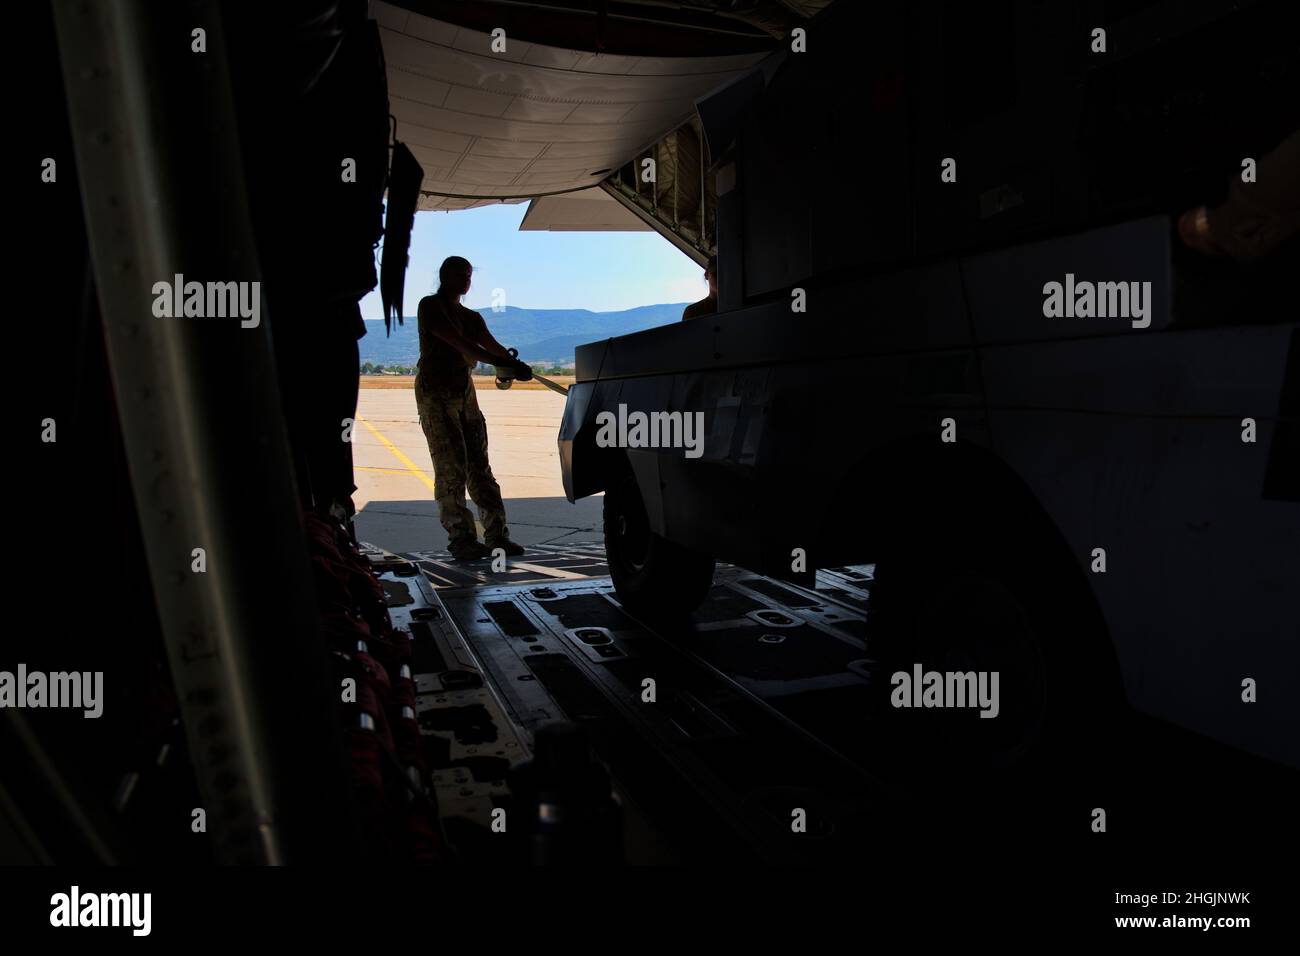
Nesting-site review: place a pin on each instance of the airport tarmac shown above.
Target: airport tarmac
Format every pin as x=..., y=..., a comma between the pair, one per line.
x=395, y=482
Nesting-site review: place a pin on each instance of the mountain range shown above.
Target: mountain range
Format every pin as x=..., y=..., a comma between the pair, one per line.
x=540, y=335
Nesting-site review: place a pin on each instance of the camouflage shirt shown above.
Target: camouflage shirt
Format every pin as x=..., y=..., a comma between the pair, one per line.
x=442, y=366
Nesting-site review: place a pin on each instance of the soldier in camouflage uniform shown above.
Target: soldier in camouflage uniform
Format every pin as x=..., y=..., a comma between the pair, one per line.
x=453, y=339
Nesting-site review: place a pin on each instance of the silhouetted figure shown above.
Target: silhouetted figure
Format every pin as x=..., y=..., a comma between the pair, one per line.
x=709, y=304
x=310, y=88
x=452, y=340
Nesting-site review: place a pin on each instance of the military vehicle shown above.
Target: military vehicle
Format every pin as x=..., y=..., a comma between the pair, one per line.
x=970, y=510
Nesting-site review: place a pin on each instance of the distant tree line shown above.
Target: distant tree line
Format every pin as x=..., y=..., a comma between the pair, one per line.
x=370, y=368
x=540, y=368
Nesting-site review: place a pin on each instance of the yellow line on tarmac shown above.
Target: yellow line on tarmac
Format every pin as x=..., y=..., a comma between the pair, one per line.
x=386, y=471
x=411, y=466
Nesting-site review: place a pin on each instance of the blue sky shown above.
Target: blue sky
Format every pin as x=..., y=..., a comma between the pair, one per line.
x=600, y=271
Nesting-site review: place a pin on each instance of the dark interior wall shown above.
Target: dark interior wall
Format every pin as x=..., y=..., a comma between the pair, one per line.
x=840, y=166
x=78, y=593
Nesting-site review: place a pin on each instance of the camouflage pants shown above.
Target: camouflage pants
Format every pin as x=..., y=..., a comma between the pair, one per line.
x=458, y=444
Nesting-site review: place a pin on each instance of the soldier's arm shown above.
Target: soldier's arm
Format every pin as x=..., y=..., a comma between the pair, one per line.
x=486, y=340
x=436, y=323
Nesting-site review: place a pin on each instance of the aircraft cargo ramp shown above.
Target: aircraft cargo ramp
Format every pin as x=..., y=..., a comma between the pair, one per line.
x=761, y=713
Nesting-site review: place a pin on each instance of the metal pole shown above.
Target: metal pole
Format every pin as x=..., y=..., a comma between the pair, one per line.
x=704, y=166
x=654, y=181
x=677, y=174
x=205, y=440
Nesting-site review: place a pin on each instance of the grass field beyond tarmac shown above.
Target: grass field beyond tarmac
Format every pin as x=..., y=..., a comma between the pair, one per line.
x=395, y=480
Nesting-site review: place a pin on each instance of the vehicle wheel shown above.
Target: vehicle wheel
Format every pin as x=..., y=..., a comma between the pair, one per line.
x=651, y=575
x=973, y=600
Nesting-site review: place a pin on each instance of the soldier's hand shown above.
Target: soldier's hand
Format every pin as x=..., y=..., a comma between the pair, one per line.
x=523, y=372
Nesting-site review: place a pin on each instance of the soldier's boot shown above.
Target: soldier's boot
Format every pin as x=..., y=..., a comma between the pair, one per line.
x=469, y=549
x=505, y=544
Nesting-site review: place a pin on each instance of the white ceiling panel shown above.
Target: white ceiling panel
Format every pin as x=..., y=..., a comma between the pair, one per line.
x=422, y=28
x=532, y=111
x=435, y=157
x=557, y=59
x=481, y=102
x=416, y=88
x=535, y=120
x=484, y=146
x=587, y=210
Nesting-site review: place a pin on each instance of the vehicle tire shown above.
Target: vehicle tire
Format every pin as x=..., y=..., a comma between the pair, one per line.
x=652, y=575
x=979, y=595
